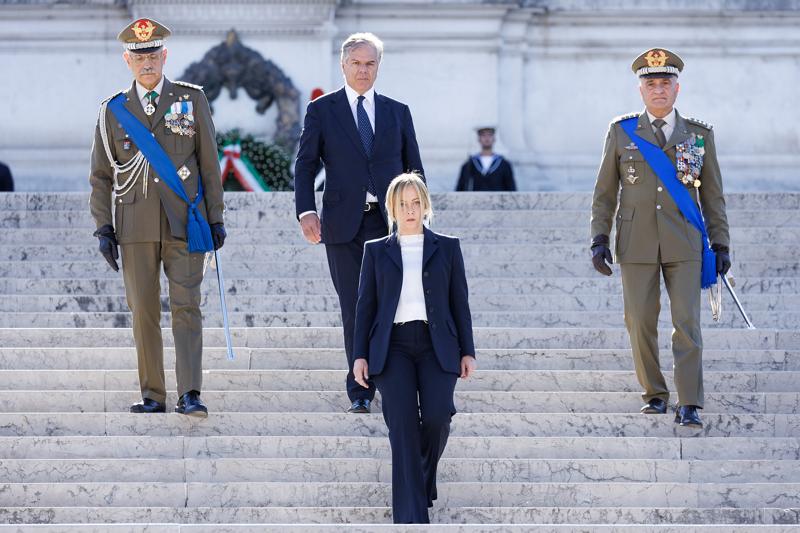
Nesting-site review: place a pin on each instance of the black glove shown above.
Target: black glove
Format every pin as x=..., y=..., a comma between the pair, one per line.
x=108, y=245
x=218, y=235
x=723, y=258
x=601, y=254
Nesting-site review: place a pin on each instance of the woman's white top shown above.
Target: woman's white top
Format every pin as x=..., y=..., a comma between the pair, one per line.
x=412, y=298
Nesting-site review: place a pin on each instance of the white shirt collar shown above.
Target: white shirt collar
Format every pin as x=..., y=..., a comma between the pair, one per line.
x=669, y=119
x=352, y=95
x=141, y=91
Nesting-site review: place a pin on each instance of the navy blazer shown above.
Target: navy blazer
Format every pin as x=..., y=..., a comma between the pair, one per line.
x=446, y=300
x=330, y=138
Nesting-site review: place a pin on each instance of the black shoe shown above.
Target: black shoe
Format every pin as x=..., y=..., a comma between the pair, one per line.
x=148, y=406
x=190, y=405
x=656, y=406
x=687, y=416
x=359, y=406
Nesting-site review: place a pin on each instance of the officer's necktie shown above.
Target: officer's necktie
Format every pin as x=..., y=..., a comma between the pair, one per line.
x=367, y=137
x=660, y=136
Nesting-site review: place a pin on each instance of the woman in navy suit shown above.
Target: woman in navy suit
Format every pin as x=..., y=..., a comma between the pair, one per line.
x=413, y=336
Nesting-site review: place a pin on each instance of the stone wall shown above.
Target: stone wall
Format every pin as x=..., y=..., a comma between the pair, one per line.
x=549, y=73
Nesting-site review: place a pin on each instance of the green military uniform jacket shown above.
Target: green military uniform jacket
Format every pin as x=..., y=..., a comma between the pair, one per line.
x=649, y=222
x=137, y=218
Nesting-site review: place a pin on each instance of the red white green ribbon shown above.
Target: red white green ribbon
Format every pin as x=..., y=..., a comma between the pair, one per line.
x=234, y=161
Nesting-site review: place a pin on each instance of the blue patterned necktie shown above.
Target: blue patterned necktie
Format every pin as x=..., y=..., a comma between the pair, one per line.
x=367, y=138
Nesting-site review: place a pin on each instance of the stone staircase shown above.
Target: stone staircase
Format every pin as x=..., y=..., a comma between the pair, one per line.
x=548, y=437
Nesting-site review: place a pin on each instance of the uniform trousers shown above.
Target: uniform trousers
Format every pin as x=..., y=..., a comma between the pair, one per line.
x=417, y=400
x=141, y=269
x=344, y=261
x=641, y=293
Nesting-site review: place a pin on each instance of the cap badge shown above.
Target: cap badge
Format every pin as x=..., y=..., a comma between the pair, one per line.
x=143, y=29
x=656, y=58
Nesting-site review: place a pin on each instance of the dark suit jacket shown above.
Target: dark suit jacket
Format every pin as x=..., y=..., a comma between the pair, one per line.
x=6, y=181
x=330, y=137
x=499, y=178
x=446, y=300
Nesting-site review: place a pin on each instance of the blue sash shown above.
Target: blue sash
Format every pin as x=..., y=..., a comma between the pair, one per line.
x=666, y=172
x=198, y=233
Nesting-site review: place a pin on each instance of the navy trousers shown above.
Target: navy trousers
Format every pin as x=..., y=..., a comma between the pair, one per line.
x=417, y=399
x=344, y=261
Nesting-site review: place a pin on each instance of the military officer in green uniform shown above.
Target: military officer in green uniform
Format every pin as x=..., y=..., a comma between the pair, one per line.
x=149, y=221
x=653, y=238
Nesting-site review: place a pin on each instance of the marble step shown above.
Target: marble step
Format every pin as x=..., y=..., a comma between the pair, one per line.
x=335, y=424
x=392, y=528
x=782, y=320
x=237, y=201
x=584, y=447
x=94, y=266
x=541, y=381
x=311, y=401
x=234, y=494
x=311, y=359
x=533, y=286
x=534, y=518
x=367, y=469
x=474, y=254
x=258, y=303
x=284, y=218
x=329, y=337
x=290, y=235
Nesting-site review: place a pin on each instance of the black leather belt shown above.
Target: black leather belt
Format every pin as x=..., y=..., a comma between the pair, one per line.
x=369, y=206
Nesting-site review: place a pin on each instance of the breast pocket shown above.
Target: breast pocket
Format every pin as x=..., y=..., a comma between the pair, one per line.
x=123, y=145
x=632, y=168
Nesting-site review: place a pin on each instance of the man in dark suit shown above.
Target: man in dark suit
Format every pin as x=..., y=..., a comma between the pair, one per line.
x=486, y=170
x=363, y=139
x=6, y=181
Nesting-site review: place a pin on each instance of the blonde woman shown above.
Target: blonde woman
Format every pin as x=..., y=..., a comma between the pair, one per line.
x=413, y=337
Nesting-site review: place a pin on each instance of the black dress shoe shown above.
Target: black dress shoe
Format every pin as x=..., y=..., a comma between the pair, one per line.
x=190, y=404
x=359, y=406
x=148, y=406
x=687, y=416
x=656, y=406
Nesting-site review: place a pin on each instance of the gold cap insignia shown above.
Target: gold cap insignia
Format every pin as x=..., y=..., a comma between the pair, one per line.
x=143, y=29
x=656, y=58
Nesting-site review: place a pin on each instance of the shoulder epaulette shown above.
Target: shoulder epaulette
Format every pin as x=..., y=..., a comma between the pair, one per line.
x=112, y=96
x=190, y=85
x=624, y=117
x=698, y=122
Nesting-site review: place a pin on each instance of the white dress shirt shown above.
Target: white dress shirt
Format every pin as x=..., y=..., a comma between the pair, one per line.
x=142, y=91
x=369, y=107
x=411, y=305
x=666, y=128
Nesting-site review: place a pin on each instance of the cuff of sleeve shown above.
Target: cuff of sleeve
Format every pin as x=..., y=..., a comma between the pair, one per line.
x=304, y=213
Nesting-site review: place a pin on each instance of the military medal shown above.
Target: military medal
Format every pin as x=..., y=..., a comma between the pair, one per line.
x=632, y=146
x=149, y=109
x=179, y=119
x=126, y=144
x=184, y=173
